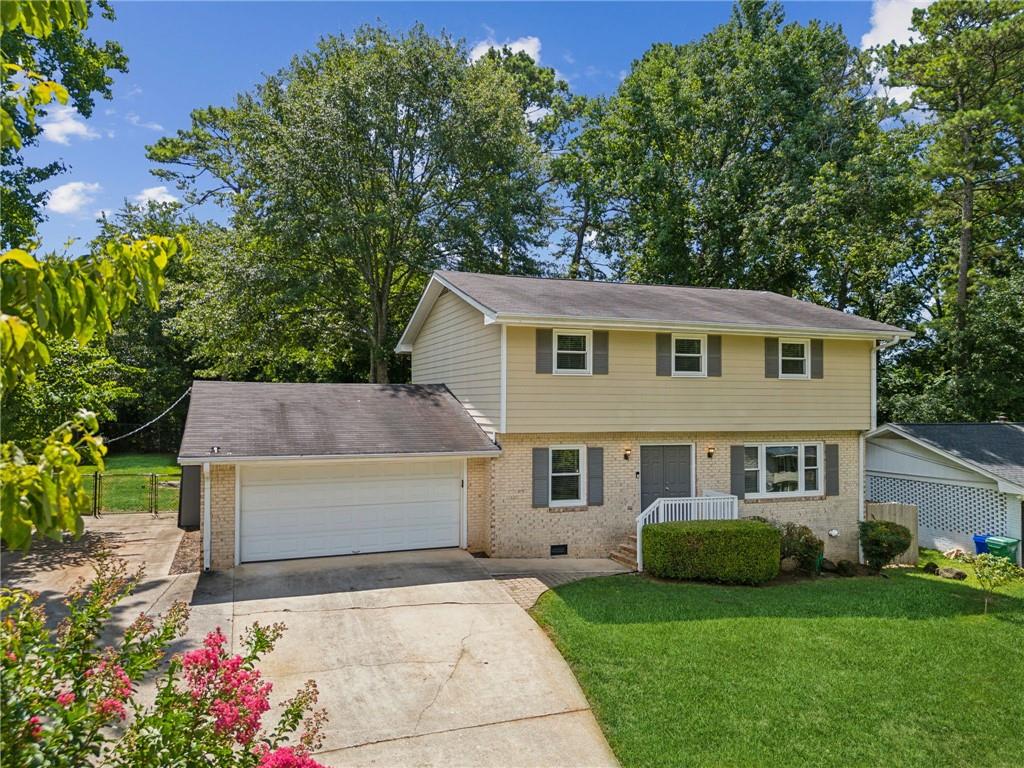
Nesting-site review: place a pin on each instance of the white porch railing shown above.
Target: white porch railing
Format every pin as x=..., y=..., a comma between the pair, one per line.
x=713, y=505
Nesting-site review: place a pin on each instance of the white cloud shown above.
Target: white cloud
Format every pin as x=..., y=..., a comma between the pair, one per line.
x=530, y=45
x=138, y=122
x=155, y=195
x=890, y=20
x=72, y=197
x=62, y=123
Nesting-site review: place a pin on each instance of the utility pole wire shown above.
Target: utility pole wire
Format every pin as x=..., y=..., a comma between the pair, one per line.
x=151, y=422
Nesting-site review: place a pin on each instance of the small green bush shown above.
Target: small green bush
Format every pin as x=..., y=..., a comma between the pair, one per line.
x=883, y=541
x=800, y=542
x=728, y=551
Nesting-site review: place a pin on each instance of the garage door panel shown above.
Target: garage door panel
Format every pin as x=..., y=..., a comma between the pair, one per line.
x=290, y=511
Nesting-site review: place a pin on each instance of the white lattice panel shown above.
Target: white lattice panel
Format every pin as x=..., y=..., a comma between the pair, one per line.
x=945, y=507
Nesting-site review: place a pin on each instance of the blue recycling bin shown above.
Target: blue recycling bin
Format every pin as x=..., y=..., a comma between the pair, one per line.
x=981, y=543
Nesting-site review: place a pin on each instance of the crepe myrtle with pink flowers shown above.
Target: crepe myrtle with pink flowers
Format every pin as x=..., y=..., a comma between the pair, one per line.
x=71, y=700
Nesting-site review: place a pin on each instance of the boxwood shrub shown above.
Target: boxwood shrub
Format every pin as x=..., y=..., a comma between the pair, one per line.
x=728, y=551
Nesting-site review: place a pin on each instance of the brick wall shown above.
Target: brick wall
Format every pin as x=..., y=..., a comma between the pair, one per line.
x=222, y=515
x=478, y=504
x=517, y=529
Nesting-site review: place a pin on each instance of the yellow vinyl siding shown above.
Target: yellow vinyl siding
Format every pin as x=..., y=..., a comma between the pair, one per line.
x=455, y=348
x=631, y=397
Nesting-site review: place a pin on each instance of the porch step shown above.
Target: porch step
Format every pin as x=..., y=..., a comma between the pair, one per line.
x=625, y=553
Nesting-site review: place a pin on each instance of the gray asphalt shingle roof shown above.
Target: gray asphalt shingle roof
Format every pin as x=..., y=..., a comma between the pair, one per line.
x=997, y=447
x=680, y=305
x=256, y=419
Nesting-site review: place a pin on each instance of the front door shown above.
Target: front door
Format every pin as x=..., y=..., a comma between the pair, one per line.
x=665, y=472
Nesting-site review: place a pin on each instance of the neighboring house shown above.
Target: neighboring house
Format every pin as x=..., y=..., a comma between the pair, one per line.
x=965, y=479
x=567, y=408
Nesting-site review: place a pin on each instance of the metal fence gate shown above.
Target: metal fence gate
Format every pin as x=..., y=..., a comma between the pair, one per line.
x=127, y=493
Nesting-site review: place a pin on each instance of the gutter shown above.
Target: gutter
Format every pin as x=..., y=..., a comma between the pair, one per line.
x=861, y=439
x=222, y=458
x=207, y=518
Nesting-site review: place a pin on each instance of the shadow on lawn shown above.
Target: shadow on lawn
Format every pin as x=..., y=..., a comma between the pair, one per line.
x=913, y=596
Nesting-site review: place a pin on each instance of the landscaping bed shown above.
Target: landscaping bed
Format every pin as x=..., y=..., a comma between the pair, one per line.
x=903, y=670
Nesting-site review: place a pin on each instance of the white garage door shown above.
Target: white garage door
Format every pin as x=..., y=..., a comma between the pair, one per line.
x=310, y=510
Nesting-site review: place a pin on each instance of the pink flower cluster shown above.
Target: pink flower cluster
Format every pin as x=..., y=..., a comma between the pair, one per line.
x=237, y=696
x=288, y=757
x=114, y=682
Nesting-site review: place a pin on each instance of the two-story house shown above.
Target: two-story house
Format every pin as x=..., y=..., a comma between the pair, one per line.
x=544, y=417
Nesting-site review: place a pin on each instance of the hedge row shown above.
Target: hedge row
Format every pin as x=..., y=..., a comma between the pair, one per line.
x=728, y=551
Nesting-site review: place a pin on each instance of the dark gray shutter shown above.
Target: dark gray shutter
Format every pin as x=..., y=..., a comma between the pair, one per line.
x=600, y=361
x=736, y=476
x=831, y=469
x=817, y=359
x=595, y=476
x=714, y=355
x=541, y=477
x=771, y=358
x=543, y=350
x=663, y=347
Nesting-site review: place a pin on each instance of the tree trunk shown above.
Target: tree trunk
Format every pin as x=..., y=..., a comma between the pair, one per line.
x=966, y=248
x=581, y=234
x=379, y=353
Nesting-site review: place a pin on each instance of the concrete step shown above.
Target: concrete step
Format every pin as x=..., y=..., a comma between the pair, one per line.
x=624, y=560
x=627, y=549
x=631, y=538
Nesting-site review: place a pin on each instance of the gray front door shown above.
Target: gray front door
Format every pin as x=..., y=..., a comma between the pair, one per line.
x=664, y=472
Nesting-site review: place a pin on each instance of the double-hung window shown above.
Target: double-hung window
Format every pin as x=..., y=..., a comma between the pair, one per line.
x=568, y=476
x=689, y=355
x=572, y=352
x=794, y=359
x=782, y=470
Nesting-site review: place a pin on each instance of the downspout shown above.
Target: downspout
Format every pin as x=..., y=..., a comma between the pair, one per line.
x=861, y=442
x=206, y=516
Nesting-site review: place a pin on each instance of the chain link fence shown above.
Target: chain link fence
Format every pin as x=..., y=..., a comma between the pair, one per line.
x=127, y=493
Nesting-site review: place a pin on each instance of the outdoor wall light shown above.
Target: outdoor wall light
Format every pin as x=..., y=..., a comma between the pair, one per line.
x=627, y=453
x=833, y=533
x=711, y=451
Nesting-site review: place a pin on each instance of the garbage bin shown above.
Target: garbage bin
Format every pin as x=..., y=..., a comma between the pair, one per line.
x=980, y=543
x=1002, y=546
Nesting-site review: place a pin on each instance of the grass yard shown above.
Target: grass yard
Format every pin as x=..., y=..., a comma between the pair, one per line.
x=864, y=671
x=125, y=486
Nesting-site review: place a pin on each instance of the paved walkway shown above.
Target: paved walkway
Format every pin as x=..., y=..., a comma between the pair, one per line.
x=528, y=578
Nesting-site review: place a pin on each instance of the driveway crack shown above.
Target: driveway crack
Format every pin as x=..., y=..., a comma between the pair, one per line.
x=451, y=674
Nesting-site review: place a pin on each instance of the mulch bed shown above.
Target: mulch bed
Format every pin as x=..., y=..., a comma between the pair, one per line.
x=188, y=558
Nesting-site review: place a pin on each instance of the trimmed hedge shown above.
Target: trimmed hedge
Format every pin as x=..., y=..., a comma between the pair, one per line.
x=728, y=551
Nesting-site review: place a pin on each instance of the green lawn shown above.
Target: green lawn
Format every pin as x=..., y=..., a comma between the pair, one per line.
x=125, y=486
x=903, y=671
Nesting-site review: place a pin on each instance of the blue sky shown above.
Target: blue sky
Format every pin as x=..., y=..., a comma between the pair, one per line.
x=184, y=55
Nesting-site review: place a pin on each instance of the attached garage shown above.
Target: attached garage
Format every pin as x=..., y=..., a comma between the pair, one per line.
x=341, y=508
x=311, y=470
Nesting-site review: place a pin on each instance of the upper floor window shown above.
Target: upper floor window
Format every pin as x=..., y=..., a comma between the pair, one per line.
x=782, y=470
x=572, y=352
x=794, y=357
x=689, y=355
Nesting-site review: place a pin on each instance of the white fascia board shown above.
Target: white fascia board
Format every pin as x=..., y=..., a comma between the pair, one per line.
x=1004, y=485
x=229, y=459
x=430, y=295
x=600, y=323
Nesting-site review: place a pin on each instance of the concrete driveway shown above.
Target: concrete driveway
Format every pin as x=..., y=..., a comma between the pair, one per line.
x=421, y=659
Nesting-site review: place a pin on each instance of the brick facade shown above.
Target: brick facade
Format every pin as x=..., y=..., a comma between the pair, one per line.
x=222, y=515
x=478, y=504
x=518, y=529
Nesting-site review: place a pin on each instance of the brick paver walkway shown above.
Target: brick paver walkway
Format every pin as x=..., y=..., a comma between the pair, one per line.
x=526, y=588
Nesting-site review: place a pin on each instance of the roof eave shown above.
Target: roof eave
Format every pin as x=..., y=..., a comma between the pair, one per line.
x=749, y=329
x=222, y=458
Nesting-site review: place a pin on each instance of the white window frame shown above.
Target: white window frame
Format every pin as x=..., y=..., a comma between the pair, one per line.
x=801, y=492
x=554, y=352
x=582, y=500
x=703, y=339
x=807, y=359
